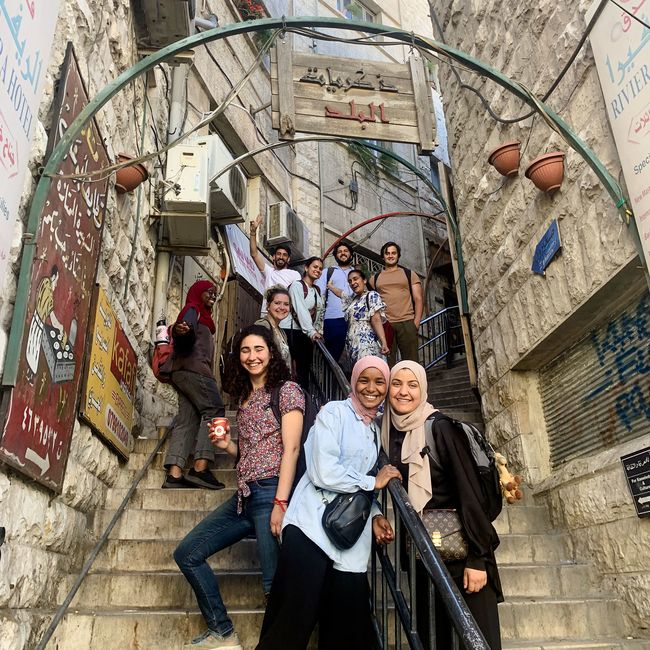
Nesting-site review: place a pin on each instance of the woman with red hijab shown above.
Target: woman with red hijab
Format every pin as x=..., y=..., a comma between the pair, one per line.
x=198, y=395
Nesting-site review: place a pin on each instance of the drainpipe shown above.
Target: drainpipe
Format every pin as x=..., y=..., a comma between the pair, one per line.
x=176, y=112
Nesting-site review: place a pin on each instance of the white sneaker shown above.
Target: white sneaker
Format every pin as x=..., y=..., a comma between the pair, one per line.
x=210, y=640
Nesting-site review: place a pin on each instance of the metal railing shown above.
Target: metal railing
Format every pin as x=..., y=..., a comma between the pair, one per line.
x=442, y=336
x=394, y=570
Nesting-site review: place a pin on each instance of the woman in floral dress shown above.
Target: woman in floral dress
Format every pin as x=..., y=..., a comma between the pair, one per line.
x=363, y=312
x=267, y=452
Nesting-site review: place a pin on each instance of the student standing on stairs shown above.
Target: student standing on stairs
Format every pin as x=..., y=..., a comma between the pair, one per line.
x=266, y=465
x=450, y=483
x=198, y=395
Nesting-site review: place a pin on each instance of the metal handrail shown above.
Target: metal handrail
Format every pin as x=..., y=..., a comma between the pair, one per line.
x=389, y=580
x=60, y=612
x=437, y=331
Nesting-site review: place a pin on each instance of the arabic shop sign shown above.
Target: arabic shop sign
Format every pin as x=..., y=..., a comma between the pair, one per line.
x=637, y=473
x=622, y=52
x=42, y=406
x=312, y=93
x=546, y=248
x=26, y=34
x=108, y=398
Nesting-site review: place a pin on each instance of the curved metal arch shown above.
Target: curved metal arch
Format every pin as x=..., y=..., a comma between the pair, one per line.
x=110, y=90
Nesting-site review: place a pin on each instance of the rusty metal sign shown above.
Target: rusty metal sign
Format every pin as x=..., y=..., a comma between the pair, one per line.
x=41, y=408
x=327, y=95
x=108, y=397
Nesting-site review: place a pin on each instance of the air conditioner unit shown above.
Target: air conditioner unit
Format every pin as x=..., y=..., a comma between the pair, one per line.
x=284, y=227
x=227, y=192
x=186, y=179
x=185, y=200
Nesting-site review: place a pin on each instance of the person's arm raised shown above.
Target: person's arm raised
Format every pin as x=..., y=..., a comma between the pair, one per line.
x=255, y=253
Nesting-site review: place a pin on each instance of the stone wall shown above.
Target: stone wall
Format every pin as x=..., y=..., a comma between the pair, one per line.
x=513, y=311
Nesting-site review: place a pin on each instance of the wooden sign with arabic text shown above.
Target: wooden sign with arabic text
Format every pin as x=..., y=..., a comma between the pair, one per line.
x=313, y=93
x=42, y=406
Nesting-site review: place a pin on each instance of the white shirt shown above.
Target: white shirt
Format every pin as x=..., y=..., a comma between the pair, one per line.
x=301, y=306
x=340, y=280
x=340, y=451
x=273, y=276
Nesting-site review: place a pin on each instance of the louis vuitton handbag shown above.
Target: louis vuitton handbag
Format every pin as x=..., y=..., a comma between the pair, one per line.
x=445, y=530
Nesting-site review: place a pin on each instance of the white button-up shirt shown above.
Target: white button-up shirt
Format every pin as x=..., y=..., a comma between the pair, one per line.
x=340, y=451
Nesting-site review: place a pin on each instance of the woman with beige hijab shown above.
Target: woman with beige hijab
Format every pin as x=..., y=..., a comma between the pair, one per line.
x=447, y=479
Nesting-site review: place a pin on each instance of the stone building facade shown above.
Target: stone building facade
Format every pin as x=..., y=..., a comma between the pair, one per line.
x=48, y=535
x=545, y=344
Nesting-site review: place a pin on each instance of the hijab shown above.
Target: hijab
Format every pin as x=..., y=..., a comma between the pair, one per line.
x=193, y=301
x=366, y=414
x=419, y=486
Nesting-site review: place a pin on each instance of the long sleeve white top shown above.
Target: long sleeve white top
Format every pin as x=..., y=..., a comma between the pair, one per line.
x=300, y=305
x=340, y=451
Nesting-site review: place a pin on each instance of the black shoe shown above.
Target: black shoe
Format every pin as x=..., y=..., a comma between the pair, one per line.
x=173, y=482
x=204, y=479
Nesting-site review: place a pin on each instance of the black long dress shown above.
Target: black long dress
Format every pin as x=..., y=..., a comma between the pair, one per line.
x=456, y=485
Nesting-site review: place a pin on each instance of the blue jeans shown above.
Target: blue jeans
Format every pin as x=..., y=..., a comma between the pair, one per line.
x=334, y=333
x=219, y=530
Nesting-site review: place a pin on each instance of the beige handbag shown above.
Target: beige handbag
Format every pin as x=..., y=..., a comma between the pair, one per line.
x=446, y=533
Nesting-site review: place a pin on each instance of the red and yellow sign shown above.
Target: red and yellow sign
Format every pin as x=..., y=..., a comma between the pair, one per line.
x=108, y=399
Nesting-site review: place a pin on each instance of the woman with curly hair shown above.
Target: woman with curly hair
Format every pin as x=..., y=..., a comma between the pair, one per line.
x=266, y=452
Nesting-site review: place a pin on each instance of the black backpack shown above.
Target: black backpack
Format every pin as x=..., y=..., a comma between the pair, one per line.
x=482, y=455
x=311, y=411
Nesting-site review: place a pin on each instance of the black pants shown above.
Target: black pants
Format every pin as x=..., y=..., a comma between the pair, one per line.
x=482, y=605
x=301, y=349
x=307, y=590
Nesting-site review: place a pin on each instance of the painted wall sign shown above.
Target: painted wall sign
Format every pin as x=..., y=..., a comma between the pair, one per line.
x=26, y=34
x=546, y=248
x=622, y=54
x=108, y=397
x=240, y=257
x=314, y=93
x=42, y=405
x=637, y=473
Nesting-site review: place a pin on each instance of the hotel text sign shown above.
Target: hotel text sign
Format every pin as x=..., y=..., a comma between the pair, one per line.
x=312, y=93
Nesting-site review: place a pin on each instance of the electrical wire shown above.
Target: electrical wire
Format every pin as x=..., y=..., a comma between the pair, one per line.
x=553, y=86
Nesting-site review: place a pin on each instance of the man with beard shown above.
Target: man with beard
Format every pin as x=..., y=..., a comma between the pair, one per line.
x=335, y=326
x=278, y=274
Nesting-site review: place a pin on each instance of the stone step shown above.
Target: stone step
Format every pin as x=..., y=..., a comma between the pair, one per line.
x=154, y=479
x=239, y=589
x=145, y=629
x=557, y=619
x=522, y=518
x=138, y=459
x=553, y=580
x=535, y=549
x=181, y=499
x=579, y=644
x=149, y=555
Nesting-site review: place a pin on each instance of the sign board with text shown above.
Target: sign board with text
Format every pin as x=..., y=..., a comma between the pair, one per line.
x=621, y=47
x=373, y=100
x=42, y=406
x=637, y=473
x=26, y=34
x=546, y=248
x=240, y=257
x=108, y=397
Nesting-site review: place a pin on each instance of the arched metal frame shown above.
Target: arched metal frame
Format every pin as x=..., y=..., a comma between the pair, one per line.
x=59, y=152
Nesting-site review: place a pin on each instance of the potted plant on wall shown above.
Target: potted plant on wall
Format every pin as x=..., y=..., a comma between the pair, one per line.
x=251, y=10
x=547, y=171
x=129, y=177
x=505, y=158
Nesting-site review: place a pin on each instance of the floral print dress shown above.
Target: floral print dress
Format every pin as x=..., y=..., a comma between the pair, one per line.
x=361, y=339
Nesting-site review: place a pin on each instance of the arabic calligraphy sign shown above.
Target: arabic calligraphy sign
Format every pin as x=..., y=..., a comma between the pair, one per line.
x=637, y=473
x=42, y=406
x=622, y=54
x=312, y=93
x=26, y=33
x=242, y=262
x=108, y=397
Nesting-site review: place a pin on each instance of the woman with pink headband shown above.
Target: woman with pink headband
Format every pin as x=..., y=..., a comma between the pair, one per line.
x=316, y=582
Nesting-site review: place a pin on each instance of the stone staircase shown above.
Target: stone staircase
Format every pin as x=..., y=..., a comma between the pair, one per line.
x=451, y=392
x=136, y=599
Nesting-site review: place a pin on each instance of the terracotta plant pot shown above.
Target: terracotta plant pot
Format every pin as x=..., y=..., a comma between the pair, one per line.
x=547, y=171
x=505, y=158
x=128, y=178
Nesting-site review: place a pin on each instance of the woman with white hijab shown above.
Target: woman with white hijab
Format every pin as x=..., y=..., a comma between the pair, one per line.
x=450, y=483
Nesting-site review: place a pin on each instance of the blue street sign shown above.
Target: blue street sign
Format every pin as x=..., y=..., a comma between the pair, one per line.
x=546, y=248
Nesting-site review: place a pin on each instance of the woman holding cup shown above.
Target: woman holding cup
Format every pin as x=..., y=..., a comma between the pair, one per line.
x=266, y=452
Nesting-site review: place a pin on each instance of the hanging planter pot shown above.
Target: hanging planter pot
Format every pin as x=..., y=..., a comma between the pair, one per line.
x=505, y=158
x=128, y=178
x=547, y=171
